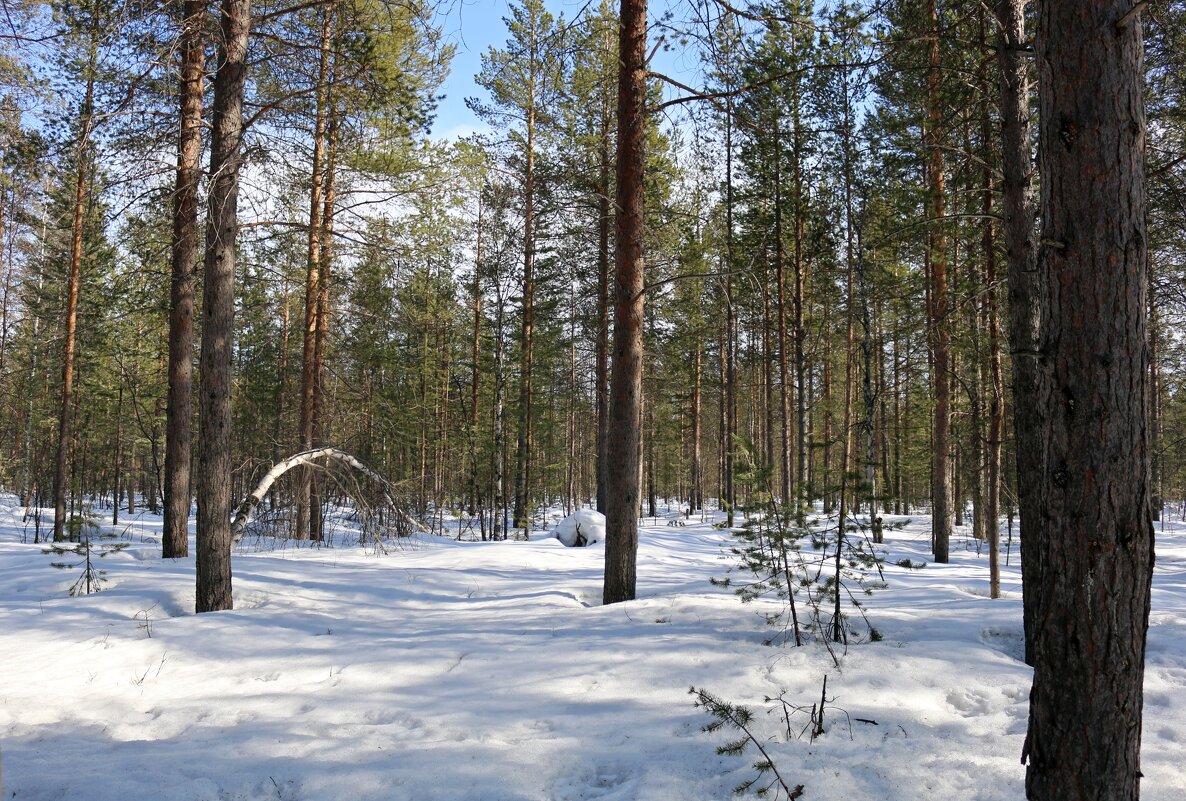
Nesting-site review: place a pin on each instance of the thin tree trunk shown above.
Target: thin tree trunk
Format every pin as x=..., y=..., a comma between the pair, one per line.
x=729, y=494
x=622, y=490
x=697, y=490
x=1027, y=299
x=523, y=458
x=604, y=220
x=61, y=476
x=475, y=373
x=1084, y=737
x=218, y=310
x=313, y=277
x=184, y=256
x=321, y=434
x=940, y=461
x=117, y=466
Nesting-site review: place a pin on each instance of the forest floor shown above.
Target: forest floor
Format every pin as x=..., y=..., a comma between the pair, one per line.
x=490, y=672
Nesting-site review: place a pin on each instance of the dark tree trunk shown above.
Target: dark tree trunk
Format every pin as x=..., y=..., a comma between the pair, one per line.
x=941, y=380
x=1027, y=297
x=622, y=480
x=179, y=411
x=1092, y=615
x=218, y=313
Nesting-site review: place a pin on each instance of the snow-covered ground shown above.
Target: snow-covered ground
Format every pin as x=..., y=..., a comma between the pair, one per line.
x=489, y=672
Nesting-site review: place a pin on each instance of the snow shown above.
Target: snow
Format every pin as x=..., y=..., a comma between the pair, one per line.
x=583, y=527
x=490, y=672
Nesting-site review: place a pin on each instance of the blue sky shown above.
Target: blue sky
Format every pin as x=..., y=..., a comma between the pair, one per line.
x=473, y=26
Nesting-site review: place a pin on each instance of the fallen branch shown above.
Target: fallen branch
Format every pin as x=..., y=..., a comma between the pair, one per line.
x=246, y=509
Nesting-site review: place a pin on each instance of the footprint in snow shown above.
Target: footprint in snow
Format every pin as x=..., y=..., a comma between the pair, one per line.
x=1009, y=640
x=597, y=782
x=967, y=703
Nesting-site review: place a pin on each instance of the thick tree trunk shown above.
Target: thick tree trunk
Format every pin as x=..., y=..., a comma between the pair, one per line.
x=622, y=482
x=1092, y=615
x=218, y=313
x=61, y=475
x=179, y=410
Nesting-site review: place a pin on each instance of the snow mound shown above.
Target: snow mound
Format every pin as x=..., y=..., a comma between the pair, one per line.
x=582, y=527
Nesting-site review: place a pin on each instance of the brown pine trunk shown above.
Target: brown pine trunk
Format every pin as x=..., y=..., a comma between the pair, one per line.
x=61, y=475
x=218, y=313
x=622, y=490
x=1092, y=615
x=803, y=459
x=940, y=334
x=313, y=275
x=179, y=411
x=697, y=490
x=523, y=453
x=996, y=385
x=729, y=496
x=604, y=220
x=321, y=434
x=476, y=375
x=784, y=373
x=117, y=466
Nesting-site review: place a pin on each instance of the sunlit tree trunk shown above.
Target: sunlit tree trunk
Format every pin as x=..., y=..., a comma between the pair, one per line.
x=218, y=313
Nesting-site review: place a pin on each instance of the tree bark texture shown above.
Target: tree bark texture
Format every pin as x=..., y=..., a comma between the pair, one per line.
x=178, y=411
x=218, y=313
x=1096, y=546
x=622, y=480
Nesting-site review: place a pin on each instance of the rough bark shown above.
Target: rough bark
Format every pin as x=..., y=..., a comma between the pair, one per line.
x=1092, y=616
x=218, y=313
x=184, y=255
x=622, y=480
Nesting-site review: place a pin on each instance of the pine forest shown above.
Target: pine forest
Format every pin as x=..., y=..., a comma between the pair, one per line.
x=866, y=313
